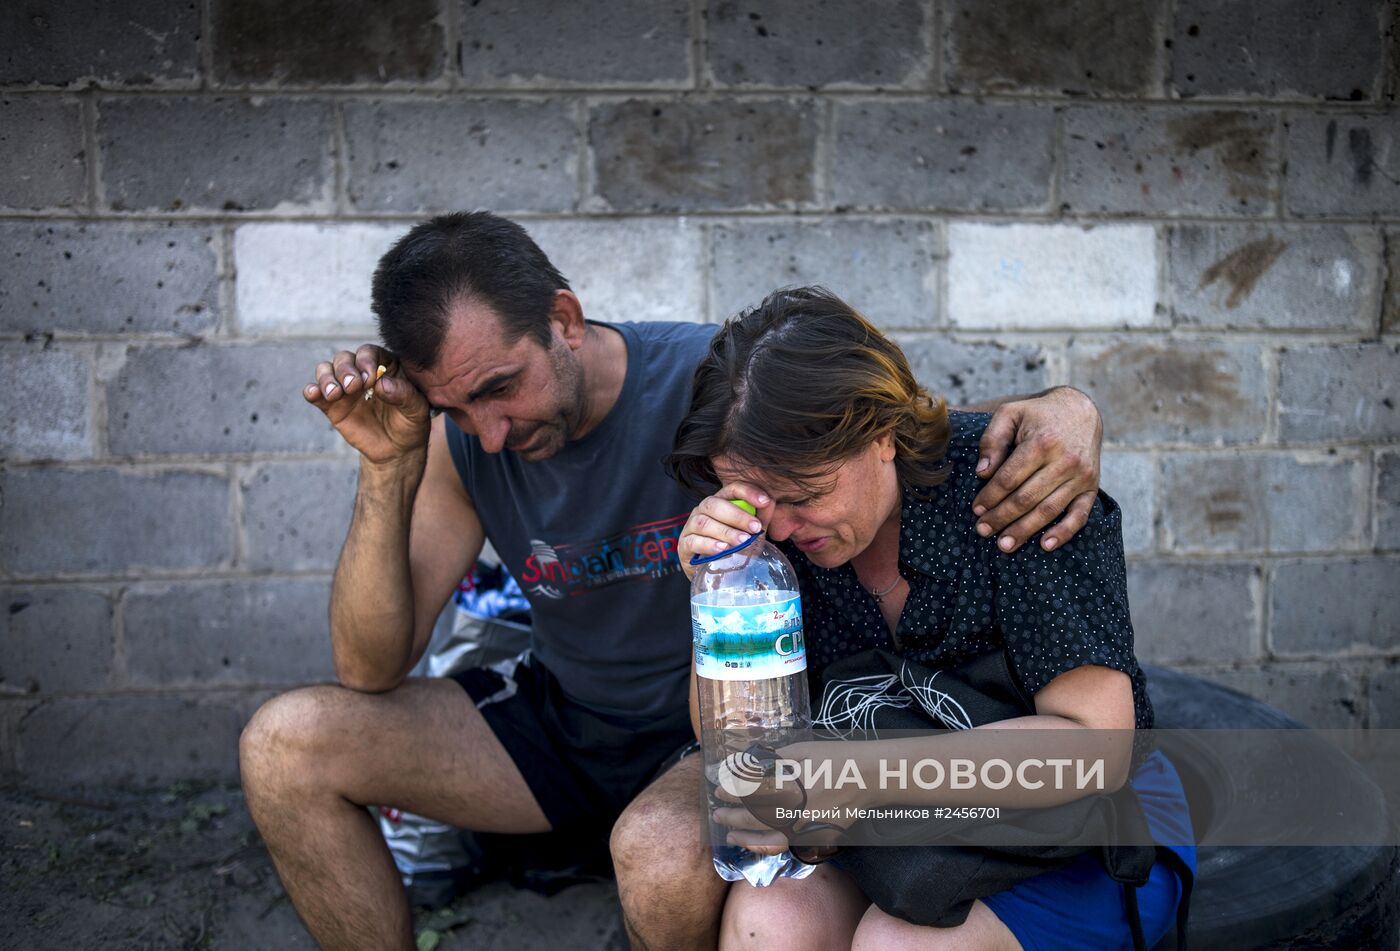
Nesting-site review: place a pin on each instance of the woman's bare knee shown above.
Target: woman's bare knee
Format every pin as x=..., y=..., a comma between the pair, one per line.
x=818, y=912
x=982, y=931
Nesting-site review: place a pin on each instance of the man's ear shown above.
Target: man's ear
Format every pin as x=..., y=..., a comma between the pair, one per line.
x=566, y=317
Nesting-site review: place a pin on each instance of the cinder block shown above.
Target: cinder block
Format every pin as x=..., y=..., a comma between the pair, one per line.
x=541, y=43
x=1162, y=160
x=1383, y=697
x=1335, y=606
x=47, y=406
x=1195, y=613
x=1288, y=49
x=145, y=740
x=459, y=154
x=1277, y=502
x=1390, y=308
x=819, y=44
x=967, y=373
x=1198, y=391
x=1275, y=277
x=1342, y=164
x=108, y=278
x=1080, y=47
x=690, y=155
x=134, y=43
x=42, y=161
x=1387, y=498
x=296, y=514
x=55, y=640
x=109, y=522
x=307, y=279
x=640, y=269
x=261, y=631
x=1038, y=277
x=886, y=269
x=1339, y=392
x=1322, y=696
x=965, y=156
x=1131, y=478
x=328, y=42
x=225, y=399
x=216, y=154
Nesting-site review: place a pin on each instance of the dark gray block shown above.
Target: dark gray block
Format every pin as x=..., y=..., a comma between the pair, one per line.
x=109, y=522
x=134, y=42
x=55, y=640
x=337, y=42
x=1342, y=164
x=542, y=43
x=1390, y=308
x=1176, y=391
x=842, y=43
x=1335, y=606
x=261, y=631
x=1326, y=697
x=459, y=154
x=1158, y=160
x=42, y=160
x=108, y=278
x=1339, y=391
x=47, y=409
x=1388, y=498
x=1185, y=613
x=1094, y=47
x=966, y=373
x=1275, y=277
x=215, y=154
x=887, y=269
x=296, y=514
x=211, y=399
x=962, y=156
x=1263, y=502
x=143, y=740
x=1313, y=49
x=656, y=155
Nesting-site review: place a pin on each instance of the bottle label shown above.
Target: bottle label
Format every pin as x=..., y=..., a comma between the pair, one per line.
x=749, y=641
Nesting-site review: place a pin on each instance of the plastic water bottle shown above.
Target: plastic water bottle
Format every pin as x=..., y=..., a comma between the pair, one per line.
x=751, y=667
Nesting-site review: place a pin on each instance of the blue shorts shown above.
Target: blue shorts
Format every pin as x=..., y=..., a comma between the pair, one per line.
x=1079, y=906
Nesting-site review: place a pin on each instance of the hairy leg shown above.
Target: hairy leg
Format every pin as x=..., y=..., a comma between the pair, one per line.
x=312, y=760
x=671, y=896
x=982, y=931
x=819, y=912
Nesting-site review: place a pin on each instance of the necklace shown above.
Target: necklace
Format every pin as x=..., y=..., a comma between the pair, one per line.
x=880, y=596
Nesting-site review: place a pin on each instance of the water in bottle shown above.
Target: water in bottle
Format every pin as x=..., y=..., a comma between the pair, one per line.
x=751, y=667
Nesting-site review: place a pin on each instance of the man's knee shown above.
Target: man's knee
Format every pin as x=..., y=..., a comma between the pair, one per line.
x=289, y=736
x=662, y=837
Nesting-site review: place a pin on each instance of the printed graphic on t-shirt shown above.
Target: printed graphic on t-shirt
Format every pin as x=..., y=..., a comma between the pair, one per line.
x=568, y=569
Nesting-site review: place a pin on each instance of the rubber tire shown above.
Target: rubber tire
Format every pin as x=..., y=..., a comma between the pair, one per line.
x=1271, y=897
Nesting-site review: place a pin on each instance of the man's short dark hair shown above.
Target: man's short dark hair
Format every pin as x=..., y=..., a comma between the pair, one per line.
x=466, y=255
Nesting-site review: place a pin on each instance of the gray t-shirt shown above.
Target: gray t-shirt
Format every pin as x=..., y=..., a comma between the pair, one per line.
x=591, y=534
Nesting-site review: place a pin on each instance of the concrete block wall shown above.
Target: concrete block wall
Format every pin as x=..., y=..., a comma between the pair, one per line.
x=1189, y=209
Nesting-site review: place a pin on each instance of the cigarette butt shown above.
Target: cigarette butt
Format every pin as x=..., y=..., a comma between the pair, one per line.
x=369, y=394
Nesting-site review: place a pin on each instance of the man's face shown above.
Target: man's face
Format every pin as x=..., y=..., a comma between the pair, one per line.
x=519, y=396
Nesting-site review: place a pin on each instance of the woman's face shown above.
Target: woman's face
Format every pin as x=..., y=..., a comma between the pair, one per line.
x=833, y=525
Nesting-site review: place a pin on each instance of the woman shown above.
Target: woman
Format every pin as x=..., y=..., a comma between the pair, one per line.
x=805, y=410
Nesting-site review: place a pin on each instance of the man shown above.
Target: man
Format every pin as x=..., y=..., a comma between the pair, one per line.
x=548, y=440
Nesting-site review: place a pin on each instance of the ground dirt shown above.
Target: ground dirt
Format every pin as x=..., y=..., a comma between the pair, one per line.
x=184, y=868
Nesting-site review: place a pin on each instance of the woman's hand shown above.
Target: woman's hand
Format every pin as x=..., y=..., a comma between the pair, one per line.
x=717, y=523
x=826, y=805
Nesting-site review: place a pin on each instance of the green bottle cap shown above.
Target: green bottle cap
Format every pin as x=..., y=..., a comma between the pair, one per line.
x=747, y=507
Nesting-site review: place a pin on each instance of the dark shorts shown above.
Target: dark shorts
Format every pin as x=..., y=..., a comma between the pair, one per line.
x=583, y=766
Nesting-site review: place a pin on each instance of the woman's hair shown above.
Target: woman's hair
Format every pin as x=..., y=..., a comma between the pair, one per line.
x=798, y=384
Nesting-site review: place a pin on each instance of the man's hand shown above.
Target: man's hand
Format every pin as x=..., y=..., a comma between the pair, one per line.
x=1053, y=469
x=383, y=428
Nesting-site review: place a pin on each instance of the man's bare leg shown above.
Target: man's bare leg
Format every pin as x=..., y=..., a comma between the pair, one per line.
x=671, y=896
x=313, y=759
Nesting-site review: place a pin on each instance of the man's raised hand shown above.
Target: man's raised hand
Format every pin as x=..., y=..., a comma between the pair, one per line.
x=383, y=429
